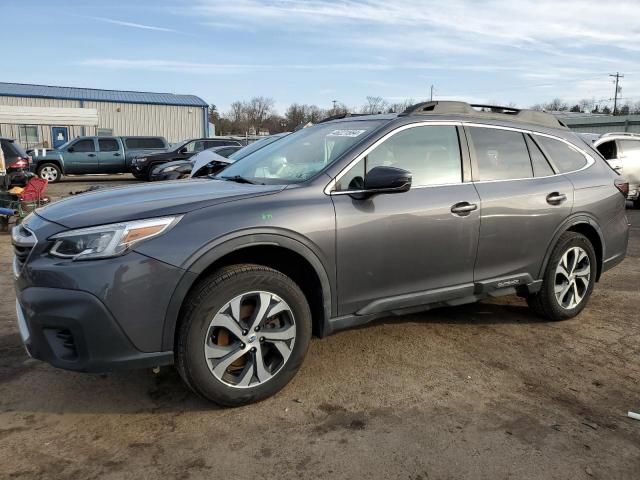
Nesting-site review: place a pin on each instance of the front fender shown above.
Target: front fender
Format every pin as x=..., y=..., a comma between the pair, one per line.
x=215, y=250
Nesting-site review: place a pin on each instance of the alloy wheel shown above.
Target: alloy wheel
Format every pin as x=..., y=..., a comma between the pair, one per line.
x=572, y=278
x=49, y=174
x=250, y=339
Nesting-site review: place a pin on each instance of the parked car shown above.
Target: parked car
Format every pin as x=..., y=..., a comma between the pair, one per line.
x=142, y=166
x=17, y=163
x=329, y=228
x=90, y=155
x=182, y=168
x=207, y=164
x=622, y=151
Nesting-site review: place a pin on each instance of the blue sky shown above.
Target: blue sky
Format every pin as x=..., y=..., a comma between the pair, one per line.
x=315, y=51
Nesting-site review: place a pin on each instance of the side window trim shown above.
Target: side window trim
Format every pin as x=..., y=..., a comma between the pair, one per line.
x=329, y=188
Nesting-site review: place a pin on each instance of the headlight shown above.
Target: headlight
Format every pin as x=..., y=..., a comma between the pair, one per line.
x=171, y=168
x=138, y=160
x=108, y=240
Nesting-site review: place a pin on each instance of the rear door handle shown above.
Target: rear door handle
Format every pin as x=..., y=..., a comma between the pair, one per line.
x=463, y=209
x=91, y=155
x=116, y=154
x=556, y=198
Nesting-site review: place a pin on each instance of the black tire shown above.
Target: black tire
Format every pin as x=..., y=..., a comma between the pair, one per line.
x=202, y=304
x=636, y=204
x=139, y=176
x=544, y=302
x=50, y=172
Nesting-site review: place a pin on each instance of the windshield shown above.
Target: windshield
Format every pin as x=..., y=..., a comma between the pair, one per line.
x=257, y=145
x=300, y=155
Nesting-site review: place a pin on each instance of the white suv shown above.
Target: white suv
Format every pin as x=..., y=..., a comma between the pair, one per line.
x=622, y=151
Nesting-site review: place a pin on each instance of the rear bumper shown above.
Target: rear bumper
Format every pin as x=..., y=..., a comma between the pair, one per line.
x=73, y=330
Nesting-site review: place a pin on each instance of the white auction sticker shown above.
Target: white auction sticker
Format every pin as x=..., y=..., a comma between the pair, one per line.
x=346, y=133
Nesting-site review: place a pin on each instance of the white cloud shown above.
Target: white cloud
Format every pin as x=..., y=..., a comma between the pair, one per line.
x=133, y=25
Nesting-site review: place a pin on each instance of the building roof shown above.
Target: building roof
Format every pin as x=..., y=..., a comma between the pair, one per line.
x=96, y=95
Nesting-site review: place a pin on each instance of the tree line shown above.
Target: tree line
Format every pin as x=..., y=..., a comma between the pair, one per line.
x=258, y=115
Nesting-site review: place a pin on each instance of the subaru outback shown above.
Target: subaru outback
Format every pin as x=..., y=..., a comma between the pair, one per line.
x=333, y=226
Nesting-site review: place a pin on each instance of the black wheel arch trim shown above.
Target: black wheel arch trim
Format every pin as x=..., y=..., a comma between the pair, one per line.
x=573, y=220
x=206, y=256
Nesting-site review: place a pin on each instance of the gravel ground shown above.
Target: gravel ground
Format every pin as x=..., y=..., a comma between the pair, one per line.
x=483, y=391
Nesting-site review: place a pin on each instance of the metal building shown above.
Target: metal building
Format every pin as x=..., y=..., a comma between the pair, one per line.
x=600, y=124
x=47, y=116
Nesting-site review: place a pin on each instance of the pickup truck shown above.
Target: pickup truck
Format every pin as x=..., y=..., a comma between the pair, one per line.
x=90, y=155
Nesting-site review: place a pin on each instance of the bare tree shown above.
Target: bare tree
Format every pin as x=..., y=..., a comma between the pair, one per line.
x=257, y=111
x=374, y=105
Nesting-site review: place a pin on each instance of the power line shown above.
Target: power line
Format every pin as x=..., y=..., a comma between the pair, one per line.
x=615, y=98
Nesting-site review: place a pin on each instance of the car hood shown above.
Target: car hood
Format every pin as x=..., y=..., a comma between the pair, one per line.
x=113, y=205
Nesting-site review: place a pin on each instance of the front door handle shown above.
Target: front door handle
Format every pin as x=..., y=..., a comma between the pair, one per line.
x=116, y=154
x=463, y=209
x=91, y=155
x=556, y=198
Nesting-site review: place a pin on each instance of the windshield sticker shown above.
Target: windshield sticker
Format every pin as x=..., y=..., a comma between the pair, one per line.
x=346, y=133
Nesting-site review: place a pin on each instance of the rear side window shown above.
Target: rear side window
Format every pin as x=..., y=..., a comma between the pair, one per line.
x=108, y=145
x=84, y=146
x=219, y=143
x=608, y=150
x=150, y=143
x=501, y=154
x=562, y=155
x=541, y=167
x=629, y=147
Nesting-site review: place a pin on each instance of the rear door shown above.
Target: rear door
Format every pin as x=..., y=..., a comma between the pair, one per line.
x=110, y=155
x=523, y=202
x=629, y=155
x=407, y=249
x=81, y=157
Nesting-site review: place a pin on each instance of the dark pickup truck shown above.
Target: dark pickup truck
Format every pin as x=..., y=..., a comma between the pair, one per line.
x=142, y=167
x=90, y=155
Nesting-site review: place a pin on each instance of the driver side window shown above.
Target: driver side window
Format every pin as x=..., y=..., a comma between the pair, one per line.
x=430, y=153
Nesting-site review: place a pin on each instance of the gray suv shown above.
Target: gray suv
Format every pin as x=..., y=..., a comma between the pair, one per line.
x=331, y=227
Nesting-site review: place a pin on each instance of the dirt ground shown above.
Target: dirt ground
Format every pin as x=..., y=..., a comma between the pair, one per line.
x=484, y=391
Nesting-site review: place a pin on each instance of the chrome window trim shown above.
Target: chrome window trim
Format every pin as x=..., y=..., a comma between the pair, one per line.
x=328, y=189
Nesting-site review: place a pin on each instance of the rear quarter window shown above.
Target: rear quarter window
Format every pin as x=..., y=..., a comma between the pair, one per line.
x=566, y=158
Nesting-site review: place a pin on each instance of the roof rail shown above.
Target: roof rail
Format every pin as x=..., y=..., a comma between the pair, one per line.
x=342, y=115
x=493, y=112
x=620, y=134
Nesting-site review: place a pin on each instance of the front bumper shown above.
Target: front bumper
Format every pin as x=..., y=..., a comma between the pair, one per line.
x=74, y=330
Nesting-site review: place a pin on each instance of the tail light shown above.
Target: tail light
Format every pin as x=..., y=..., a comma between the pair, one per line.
x=20, y=163
x=623, y=186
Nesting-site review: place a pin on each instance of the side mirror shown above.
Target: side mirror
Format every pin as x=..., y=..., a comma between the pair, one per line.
x=70, y=149
x=183, y=150
x=387, y=180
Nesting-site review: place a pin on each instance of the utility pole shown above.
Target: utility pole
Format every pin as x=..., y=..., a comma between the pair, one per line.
x=615, y=97
x=334, y=104
x=431, y=96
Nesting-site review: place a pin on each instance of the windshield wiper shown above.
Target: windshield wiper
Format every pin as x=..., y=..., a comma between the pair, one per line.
x=239, y=179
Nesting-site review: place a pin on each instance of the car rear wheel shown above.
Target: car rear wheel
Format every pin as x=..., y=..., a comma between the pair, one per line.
x=636, y=204
x=50, y=172
x=244, y=334
x=568, y=280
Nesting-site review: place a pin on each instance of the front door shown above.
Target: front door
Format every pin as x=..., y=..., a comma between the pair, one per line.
x=110, y=156
x=81, y=157
x=523, y=203
x=59, y=136
x=407, y=249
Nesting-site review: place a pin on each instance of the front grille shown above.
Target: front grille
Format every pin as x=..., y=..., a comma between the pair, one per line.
x=23, y=241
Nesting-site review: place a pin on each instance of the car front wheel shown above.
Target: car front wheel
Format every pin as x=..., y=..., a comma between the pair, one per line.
x=50, y=172
x=244, y=334
x=568, y=280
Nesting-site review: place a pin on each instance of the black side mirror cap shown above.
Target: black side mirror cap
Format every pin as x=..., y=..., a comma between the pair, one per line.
x=387, y=180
